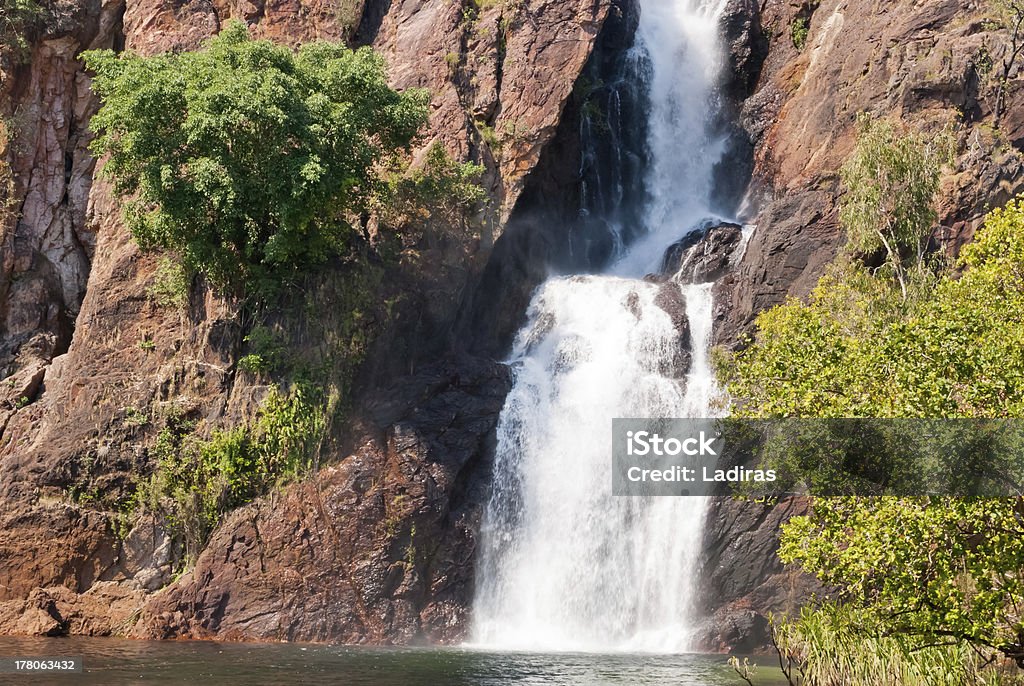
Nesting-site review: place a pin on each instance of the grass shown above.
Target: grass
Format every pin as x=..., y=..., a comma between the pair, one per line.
x=832, y=645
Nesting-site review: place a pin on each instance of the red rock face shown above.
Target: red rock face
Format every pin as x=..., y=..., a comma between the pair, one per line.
x=916, y=63
x=376, y=549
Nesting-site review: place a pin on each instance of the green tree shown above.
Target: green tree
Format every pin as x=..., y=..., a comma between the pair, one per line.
x=890, y=180
x=929, y=571
x=934, y=571
x=953, y=348
x=17, y=18
x=439, y=197
x=249, y=160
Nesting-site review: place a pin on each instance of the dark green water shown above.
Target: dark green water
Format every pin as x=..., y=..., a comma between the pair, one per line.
x=113, y=662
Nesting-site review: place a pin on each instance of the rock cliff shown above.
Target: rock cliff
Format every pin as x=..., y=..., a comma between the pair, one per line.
x=378, y=546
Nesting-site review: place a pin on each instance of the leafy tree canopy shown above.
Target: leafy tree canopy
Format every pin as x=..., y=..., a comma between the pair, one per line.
x=932, y=571
x=955, y=348
x=247, y=159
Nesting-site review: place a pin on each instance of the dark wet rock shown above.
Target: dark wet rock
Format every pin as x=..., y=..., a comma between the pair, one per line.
x=747, y=45
x=798, y=235
x=742, y=578
x=632, y=303
x=671, y=299
x=704, y=254
x=560, y=223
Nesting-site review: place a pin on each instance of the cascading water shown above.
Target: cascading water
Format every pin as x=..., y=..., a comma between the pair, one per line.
x=564, y=565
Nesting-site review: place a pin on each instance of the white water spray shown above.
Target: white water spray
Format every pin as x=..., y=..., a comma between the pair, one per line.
x=564, y=564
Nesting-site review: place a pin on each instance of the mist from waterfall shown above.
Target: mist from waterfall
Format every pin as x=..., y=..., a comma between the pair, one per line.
x=564, y=565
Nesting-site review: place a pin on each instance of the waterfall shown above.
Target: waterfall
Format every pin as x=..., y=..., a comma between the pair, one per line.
x=564, y=565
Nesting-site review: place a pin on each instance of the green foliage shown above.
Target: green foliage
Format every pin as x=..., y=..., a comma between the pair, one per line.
x=953, y=348
x=875, y=457
x=255, y=364
x=472, y=9
x=11, y=145
x=266, y=351
x=489, y=135
x=172, y=284
x=289, y=430
x=248, y=160
x=834, y=645
x=798, y=31
x=195, y=482
x=922, y=571
x=8, y=200
x=891, y=179
x=135, y=417
x=927, y=570
x=17, y=17
x=440, y=196
x=349, y=13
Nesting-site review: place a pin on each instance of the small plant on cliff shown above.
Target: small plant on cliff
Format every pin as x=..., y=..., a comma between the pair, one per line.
x=16, y=18
x=250, y=161
x=349, y=14
x=996, y=74
x=798, y=31
x=266, y=351
x=8, y=201
x=171, y=285
x=196, y=482
x=891, y=180
x=439, y=197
